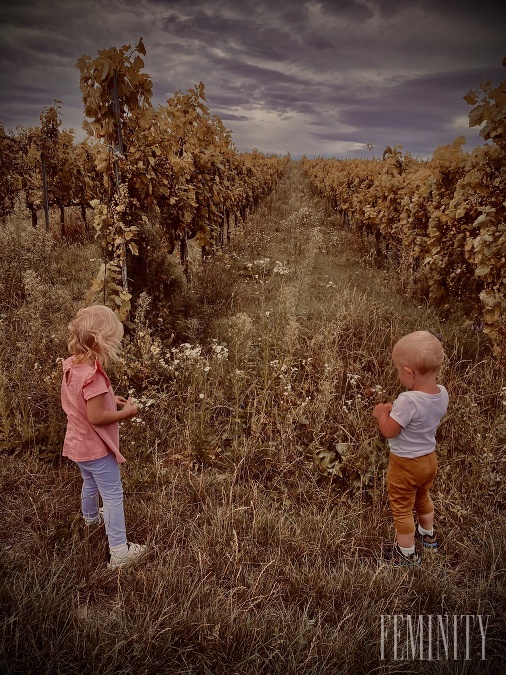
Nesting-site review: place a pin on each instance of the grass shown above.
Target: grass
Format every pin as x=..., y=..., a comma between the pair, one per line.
x=255, y=470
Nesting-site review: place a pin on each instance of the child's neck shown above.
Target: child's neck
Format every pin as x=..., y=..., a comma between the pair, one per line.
x=425, y=383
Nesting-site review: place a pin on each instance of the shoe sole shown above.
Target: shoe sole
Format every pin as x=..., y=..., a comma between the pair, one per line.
x=127, y=563
x=399, y=562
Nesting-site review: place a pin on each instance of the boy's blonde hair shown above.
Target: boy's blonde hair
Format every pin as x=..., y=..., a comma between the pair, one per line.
x=95, y=333
x=420, y=350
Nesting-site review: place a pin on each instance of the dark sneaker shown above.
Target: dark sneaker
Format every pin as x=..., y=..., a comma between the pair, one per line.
x=428, y=541
x=402, y=560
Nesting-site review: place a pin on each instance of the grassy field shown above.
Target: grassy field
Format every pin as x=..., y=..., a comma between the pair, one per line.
x=255, y=471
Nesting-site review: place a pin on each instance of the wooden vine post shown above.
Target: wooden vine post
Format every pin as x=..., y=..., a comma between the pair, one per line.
x=48, y=142
x=117, y=145
x=44, y=188
x=116, y=96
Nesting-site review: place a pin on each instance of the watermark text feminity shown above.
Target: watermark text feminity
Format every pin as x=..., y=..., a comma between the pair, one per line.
x=433, y=637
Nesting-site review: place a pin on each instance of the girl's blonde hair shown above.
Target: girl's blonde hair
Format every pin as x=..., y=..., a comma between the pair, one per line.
x=421, y=350
x=95, y=333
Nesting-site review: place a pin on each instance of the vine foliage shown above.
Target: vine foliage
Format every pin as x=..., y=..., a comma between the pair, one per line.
x=172, y=167
x=445, y=217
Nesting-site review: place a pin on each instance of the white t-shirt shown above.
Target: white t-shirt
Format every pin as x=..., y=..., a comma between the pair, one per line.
x=419, y=415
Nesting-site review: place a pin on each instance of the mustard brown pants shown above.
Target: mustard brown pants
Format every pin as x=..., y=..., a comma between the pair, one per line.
x=409, y=481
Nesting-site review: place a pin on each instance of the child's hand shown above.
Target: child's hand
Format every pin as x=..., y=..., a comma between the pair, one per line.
x=129, y=407
x=387, y=425
x=382, y=410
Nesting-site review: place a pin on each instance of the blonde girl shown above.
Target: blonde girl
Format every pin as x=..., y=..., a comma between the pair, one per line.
x=92, y=435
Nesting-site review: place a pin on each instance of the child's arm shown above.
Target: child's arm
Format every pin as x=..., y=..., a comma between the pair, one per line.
x=387, y=425
x=99, y=417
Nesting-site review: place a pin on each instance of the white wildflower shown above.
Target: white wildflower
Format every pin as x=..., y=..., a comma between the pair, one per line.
x=280, y=268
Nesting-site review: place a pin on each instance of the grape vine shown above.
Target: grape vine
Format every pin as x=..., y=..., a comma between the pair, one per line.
x=174, y=167
x=446, y=216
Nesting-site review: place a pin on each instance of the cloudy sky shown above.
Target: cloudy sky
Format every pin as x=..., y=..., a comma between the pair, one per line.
x=306, y=77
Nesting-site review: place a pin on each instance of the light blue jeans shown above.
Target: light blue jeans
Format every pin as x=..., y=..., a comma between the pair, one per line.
x=102, y=476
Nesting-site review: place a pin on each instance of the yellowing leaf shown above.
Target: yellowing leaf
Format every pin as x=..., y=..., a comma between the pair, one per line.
x=471, y=98
x=140, y=47
x=476, y=116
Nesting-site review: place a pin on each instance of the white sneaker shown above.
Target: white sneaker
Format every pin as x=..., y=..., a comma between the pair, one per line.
x=135, y=551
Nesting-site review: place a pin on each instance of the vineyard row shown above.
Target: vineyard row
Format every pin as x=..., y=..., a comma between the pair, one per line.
x=445, y=218
x=171, y=168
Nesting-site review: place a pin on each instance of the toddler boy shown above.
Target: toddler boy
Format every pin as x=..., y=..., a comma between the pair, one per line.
x=410, y=425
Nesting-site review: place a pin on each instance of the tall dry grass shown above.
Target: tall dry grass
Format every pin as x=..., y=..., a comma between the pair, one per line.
x=255, y=470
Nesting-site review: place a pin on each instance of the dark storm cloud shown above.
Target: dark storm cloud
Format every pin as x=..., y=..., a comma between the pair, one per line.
x=234, y=35
x=425, y=107
x=227, y=117
x=317, y=77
